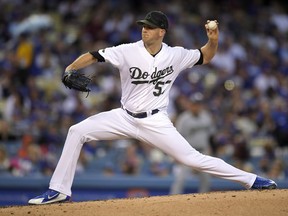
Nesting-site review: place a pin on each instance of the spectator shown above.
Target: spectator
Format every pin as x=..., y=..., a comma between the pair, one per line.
x=196, y=126
x=47, y=62
x=24, y=56
x=159, y=164
x=4, y=161
x=131, y=161
x=30, y=164
x=277, y=170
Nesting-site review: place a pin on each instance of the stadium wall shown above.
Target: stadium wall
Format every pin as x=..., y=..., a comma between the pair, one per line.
x=17, y=191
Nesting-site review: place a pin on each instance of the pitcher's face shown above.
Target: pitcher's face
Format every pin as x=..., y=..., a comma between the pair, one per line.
x=152, y=35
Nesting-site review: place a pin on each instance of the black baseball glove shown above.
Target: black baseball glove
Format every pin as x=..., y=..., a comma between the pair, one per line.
x=77, y=81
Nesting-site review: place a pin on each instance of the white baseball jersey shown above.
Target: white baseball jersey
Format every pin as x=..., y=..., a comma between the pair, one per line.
x=147, y=80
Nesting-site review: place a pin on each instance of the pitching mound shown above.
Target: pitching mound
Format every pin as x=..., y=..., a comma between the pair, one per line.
x=273, y=202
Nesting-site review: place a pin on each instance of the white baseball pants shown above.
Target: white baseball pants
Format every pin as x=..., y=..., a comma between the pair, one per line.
x=156, y=130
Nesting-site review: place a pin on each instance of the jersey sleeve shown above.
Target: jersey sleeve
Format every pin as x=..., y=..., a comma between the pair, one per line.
x=189, y=58
x=114, y=55
x=200, y=61
x=97, y=56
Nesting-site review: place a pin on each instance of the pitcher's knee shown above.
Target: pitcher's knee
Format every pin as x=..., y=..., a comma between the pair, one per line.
x=75, y=131
x=79, y=128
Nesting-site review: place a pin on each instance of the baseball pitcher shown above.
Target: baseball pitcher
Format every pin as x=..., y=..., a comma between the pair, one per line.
x=147, y=70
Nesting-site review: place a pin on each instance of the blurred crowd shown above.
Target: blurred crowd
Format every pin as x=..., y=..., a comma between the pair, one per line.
x=245, y=87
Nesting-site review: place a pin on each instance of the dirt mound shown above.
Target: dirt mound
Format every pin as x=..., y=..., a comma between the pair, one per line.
x=269, y=202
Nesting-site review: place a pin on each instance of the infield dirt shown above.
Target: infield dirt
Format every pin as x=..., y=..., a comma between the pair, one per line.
x=232, y=203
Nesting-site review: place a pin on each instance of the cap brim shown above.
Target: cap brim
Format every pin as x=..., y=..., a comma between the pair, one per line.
x=146, y=22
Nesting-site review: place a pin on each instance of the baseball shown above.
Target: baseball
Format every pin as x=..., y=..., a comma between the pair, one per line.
x=212, y=25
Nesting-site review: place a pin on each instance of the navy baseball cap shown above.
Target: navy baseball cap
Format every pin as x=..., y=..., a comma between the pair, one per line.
x=155, y=19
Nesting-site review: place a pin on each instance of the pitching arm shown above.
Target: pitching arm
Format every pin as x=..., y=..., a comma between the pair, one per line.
x=210, y=48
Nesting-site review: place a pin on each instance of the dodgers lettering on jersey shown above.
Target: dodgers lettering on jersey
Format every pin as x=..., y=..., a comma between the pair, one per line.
x=147, y=80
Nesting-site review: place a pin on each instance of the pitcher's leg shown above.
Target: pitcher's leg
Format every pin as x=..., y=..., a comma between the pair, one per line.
x=63, y=175
x=104, y=126
x=170, y=141
x=219, y=168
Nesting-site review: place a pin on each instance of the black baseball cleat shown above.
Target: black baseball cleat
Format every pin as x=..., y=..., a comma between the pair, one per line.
x=263, y=184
